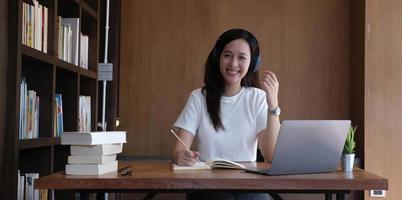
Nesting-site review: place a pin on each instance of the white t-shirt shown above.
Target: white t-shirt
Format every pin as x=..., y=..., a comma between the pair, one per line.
x=243, y=116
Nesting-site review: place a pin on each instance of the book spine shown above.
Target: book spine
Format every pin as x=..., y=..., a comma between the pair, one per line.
x=45, y=29
x=58, y=32
x=59, y=108
x=37, y=117
x=23, y=23
x=21, y=125
x=21, y=187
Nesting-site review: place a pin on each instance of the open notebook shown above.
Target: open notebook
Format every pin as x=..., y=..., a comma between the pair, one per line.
x=210, y=164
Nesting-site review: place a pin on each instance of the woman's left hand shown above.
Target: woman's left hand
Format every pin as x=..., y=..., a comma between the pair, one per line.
x=270, y=84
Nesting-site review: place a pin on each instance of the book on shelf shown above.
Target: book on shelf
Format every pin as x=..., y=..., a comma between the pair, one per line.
x=74, y=24
x=29, y=112
x=21, y=186
x=84, y=115
x=210, y=164
x=91, y=169
x=92, y=150
x=43, y=194
x=97, y=159
x=26, y=191
x=59, y=31
x=68, y=36
x=45, y=29
x=93, y=138
x=84, y=45
x=22, y=124
x=30, y=192
x=59, y=114
x=55, y=118
x=35, y=25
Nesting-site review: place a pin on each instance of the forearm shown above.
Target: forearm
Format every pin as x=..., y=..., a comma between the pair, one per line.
x=270, y=85
x=179, y=149
x=267, y=139
x=175, y=152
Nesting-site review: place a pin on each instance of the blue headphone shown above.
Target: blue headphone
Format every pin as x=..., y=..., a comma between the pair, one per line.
x=257, y=63
x=257, y=54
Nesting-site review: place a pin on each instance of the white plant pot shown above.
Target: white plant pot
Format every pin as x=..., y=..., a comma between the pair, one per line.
x=347, y=162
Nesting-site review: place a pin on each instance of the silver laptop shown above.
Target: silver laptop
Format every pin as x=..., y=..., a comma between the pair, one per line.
x=307, y=146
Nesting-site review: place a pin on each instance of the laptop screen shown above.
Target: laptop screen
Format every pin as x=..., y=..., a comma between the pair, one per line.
x=309, y=146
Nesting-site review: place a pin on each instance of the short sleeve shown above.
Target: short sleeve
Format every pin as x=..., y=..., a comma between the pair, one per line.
x=189, y=119
x=262, y=113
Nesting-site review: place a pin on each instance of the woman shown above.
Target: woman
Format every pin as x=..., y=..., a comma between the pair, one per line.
x=229, y=115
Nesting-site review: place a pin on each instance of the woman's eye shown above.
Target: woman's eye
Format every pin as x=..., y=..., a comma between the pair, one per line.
x=243, y=58
x=226, y=55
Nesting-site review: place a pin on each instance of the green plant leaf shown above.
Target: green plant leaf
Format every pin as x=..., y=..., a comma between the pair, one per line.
x=350, y=145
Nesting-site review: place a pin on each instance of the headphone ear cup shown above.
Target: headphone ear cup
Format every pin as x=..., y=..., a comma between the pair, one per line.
x=257, y=64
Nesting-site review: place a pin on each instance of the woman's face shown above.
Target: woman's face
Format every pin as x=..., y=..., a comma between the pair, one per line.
x=235, y=61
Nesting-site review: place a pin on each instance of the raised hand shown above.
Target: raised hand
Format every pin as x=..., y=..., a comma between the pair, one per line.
x=270, y=84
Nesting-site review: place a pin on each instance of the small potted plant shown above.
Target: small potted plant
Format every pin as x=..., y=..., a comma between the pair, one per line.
x=349, y=150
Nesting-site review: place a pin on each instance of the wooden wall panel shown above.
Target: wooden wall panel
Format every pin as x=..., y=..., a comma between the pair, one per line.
x=164, y=45
x=3, y=86
x=383, y=108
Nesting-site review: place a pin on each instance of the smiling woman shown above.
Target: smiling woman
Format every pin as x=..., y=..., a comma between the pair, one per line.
x=228, y=116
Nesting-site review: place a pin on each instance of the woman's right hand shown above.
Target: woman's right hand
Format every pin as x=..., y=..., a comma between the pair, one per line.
x=186, y=157
x=180, y=154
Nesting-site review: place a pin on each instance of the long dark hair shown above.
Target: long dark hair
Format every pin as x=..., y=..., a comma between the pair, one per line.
x=213, y=79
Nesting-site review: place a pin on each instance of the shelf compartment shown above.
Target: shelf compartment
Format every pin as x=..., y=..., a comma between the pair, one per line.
x=68, y=9
x=39, y=77
x=89, y=26
x=50, y=5
x=87, y=86
x=35, y=160
x=91, y=8
x=67, y=86
x=61, y=153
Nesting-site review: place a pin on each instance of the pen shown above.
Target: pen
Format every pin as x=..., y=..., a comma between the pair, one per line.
x=171, y=130
x=181, y=141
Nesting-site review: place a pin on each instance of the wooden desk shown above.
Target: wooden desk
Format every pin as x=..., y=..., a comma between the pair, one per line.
x=156, y=176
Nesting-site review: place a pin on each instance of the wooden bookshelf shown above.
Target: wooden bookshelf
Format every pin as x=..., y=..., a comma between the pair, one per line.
x=35, y=143
x=48, y=75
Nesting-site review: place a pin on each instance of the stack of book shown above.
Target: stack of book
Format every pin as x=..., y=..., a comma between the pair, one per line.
x=93, y=153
